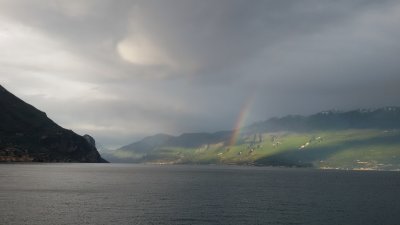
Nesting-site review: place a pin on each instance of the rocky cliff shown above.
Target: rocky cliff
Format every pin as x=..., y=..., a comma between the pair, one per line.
x=28, y=135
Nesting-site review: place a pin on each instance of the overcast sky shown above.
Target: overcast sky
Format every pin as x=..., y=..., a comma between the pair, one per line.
x=121, y=69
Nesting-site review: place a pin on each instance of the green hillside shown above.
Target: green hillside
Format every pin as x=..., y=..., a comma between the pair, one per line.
x=345, y=149
x=359, y=139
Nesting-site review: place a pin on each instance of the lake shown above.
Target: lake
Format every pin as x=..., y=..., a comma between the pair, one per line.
x=48, y=194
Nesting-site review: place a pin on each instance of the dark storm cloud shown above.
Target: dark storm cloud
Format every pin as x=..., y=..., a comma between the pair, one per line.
x=124, y=69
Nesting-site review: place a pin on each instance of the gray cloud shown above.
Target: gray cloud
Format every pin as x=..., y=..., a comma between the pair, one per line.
x=121, y=70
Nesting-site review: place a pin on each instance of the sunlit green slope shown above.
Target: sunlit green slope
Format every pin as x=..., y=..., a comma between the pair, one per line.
x=361, y=139
x=344, y=149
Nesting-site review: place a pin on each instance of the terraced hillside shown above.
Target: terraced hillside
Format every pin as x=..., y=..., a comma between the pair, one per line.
x=345, y=149
x=360, y=139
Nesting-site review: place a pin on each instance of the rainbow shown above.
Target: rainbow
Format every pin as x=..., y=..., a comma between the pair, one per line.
x=244, y=112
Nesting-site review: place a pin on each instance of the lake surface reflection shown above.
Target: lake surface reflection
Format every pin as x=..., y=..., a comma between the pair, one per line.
x=48, y=194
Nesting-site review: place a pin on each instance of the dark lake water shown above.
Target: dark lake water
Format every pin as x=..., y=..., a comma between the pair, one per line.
x=49, y=194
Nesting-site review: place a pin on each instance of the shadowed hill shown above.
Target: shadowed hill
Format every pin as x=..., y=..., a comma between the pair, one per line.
x=27, y=134
x=186, y=140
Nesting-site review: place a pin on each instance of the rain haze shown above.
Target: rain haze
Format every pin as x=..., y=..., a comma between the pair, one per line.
x=122, y=70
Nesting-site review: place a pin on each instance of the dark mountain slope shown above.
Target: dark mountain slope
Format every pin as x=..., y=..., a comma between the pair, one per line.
x=27, y=134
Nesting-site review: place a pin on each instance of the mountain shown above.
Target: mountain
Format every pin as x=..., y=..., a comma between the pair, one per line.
x=381, y=118
x=186, y=140
x=148, y=148
x=27, y=134
x=357, y=139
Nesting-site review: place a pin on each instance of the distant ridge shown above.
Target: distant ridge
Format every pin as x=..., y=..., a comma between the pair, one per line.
x=28, y=135
x=378, y=118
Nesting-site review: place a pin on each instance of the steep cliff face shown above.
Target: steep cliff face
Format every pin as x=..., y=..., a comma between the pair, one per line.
x=27, y=134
